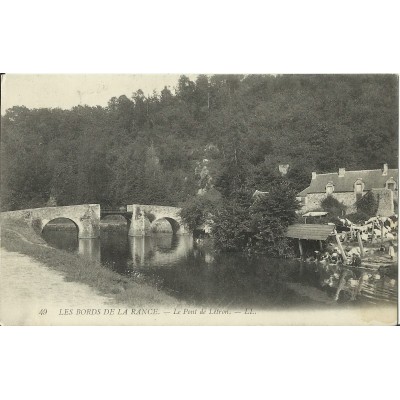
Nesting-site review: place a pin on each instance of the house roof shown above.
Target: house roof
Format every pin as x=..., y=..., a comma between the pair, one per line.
x=310, y=231
x=372, y=179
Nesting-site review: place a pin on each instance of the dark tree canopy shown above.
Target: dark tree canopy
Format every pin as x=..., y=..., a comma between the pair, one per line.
x=147, y=149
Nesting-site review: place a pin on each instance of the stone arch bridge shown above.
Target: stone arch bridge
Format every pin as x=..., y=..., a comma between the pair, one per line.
x=86, y=218
x=143, y=217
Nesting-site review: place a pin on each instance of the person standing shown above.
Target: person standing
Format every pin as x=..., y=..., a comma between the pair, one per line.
x=391, y=251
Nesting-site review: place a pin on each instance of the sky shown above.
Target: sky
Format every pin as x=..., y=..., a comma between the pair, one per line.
x=67, y=91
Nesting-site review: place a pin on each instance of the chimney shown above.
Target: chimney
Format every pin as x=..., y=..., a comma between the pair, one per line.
x=313, y=175
x=342, y=171
x=283, y=169
x=385, y=169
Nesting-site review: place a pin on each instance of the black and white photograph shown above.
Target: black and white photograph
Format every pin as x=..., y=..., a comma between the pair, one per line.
x=199, y=199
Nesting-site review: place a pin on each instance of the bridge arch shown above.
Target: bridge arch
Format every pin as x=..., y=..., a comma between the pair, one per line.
x=175, y=225
x=144, y=215
x=75, y=221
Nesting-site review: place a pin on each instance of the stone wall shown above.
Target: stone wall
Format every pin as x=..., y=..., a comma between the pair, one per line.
x=313, y=201
x=384, y=197
x=385, y=201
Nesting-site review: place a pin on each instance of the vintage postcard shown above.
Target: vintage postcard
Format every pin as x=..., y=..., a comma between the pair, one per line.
x=199, y=199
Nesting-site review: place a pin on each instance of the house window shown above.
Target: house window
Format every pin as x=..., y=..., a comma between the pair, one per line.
x=358, y=188
x=391, y=184
x=329, y=188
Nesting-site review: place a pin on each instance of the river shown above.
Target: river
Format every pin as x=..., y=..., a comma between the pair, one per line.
x=193, y=272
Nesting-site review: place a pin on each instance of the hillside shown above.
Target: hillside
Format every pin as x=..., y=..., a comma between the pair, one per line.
x=227, y=131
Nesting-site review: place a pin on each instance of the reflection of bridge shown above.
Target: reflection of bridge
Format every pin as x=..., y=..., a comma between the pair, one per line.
x=87, y=217
x=159, y=250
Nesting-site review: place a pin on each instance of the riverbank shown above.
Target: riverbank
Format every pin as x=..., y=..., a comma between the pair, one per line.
x=18, y=237
x=31, y=291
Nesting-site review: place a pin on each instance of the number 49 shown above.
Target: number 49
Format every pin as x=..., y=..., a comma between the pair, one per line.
x=43, y=311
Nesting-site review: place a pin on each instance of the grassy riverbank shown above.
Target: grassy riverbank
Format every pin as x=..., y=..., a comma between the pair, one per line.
x=19, y=237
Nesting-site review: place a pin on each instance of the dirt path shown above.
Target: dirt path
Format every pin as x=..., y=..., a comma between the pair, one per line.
x=27, y=287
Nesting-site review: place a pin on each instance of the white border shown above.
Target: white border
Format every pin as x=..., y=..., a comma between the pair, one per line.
x=208, y=37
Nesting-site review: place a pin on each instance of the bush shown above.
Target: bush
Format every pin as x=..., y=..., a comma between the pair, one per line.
x=197, y=211
x=367, y=204
x=333, y=206
x=151, y=217
x=358, y=217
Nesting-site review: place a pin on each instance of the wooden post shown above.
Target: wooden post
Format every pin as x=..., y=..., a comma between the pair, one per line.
x=341, y=284
x=320, y=245
x=300, y=248
x=360, y=243
x=340, y=248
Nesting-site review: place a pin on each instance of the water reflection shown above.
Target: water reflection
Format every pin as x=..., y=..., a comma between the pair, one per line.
x=90, y=248
x=347, y=283
x=192, y=272
x=159, y=250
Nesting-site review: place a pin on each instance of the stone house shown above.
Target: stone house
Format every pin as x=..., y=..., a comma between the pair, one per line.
x=349, y=186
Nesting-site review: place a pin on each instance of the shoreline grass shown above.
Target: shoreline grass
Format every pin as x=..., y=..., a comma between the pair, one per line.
x=21, y=238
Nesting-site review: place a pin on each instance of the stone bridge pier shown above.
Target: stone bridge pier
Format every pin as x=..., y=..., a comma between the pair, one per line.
x=145, y=216
x=86, y=218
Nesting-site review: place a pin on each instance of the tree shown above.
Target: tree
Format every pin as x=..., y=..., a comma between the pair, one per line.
x=197, y=211
x=186, y=89
x=368, y=205
x=232, y=228
x=334, y=207
x=271, y=215
x=166, y=95
x=122, y=112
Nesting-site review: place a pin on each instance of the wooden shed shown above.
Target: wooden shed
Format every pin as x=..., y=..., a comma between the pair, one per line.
x=318, y=232
x=310, y=231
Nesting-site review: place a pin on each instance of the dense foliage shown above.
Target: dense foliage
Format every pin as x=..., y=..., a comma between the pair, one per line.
x=333, y=207
x=271, y=215
x=198, y=211
x=152, y=149
x=232, y=227
x=257, y=223
x=368, y=204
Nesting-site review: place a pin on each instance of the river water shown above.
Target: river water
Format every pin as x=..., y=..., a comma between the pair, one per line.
x=193, y=272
